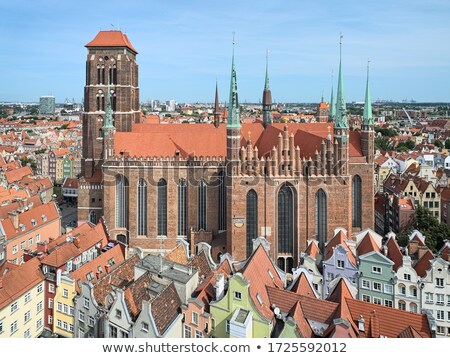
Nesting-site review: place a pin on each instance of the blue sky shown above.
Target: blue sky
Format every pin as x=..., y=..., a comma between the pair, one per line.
x=185, y=45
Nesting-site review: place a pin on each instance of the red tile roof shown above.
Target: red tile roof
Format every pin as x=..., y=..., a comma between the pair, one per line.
x=70, y=183
x=339, y=239
x=366, y=245
x=313, y=250
x=34, y=202
x=17, y=174
x=259, y=270
x=111, y=38
x=116, y=253
x=49, y=211
x=386, y=321
x=149, y=140
x=423, y=264
x=394, y=253
x=303, y=287
x=18, y=280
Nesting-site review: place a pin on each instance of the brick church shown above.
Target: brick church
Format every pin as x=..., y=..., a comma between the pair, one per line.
x=224, y=183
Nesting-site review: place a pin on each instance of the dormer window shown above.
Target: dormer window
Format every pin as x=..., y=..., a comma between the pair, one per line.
x=22, y=227
x=33, y=222
x=44, y=217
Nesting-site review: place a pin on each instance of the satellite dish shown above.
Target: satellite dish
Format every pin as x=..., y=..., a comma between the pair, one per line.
x=276, y=310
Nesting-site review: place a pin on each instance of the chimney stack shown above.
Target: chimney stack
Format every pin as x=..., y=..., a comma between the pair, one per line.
x=220, y=286
x=14, y=217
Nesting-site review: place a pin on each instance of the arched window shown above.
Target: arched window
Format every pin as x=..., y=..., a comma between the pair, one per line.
x=222, y=202
x=103, y=75
x=162, y=207
x=99, y=80
x=182, y=207
x=356, y=202
x=252, y=220
x=103, y=102
x=201, y=206
x=114, y=75
x=401, y=289
x=321, y=218
x=110, y=76
x=402, y=305
x=98, y=102
x=142, y=208
x=413, y=307
x=285, y=224
x=93, y=217
x=121, y=201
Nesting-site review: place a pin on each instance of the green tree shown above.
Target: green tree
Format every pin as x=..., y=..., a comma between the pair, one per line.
x=438, y=143
x=383, y=143
x=434, y=231
x=447, y=143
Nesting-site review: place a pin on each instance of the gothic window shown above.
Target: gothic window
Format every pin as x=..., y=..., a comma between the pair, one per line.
x=162, y=207
x=252, y=220
x=285, y=221
x=201, y=206
x=142, y=208
x=121, y=201
x=113, y=101
x=103, y=75
x=99, y=81
x=182, y=207
x=102, y=102
x=114, y=80
x=356, y=202
x=321, y=218
x=222, y=202
x=110, y=75
x=93, y=217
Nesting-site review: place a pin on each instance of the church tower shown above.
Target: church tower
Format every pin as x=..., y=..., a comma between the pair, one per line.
x=111, y=59
x=367, y=132
x=233, y=125
x=341, y=131
x=267, y=97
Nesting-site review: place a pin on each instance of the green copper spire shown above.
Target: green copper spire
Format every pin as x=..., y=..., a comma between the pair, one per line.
x=367, y=116
x=108, y=122
x=341, y=120
x=233, y=105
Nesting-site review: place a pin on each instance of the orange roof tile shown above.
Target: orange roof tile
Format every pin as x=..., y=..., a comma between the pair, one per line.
x=302, y=324
x=339, y=239
x=423, y=264
x=390, y=322
x=313, y=250
x=164, y=140
x=17, y=174
x=302, y=286
x=111, y=38
x=178, y=254
x=47, y=211
x=116, y=253
x=18, y=280
x=366, y=245
x=259, y=270
x=394, y=253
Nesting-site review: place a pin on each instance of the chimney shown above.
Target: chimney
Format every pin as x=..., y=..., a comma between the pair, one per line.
x=361, y=324
x=40, y=256
x=42, y=247
x=97, y=274
x=220, y=286
x=76, y=241
x=385, y=250
x=108, y=268
x=14, y=217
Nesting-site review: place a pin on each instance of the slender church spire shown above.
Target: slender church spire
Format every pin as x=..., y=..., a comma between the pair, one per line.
x=341, y=120
x=332, y=104
x=216, y=108
x=233, y=105
x=108, y=122
x=267, y=97
x=367, y=116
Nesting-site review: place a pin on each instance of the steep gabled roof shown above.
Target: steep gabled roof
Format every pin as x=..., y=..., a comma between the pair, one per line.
x=261, y=272
x=339, y=239
x=394, y=253
x=366, y=245
x=313, y=250
x=423, y=264
x=302, y=286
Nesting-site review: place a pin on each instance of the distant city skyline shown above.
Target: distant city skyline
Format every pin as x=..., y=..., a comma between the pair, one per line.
x=185, y=46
